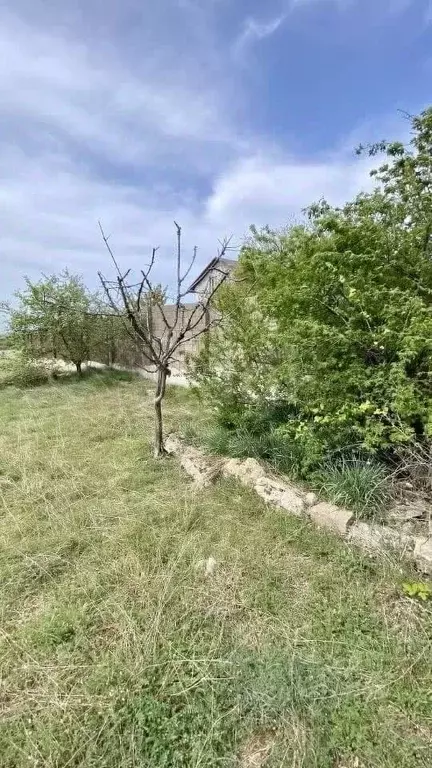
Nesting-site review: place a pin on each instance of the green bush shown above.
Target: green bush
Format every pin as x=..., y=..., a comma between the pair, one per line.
x=332, y=321
x=5, y=342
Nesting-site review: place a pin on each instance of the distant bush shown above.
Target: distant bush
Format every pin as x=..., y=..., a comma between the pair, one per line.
x=20, y=372
x=5, y=342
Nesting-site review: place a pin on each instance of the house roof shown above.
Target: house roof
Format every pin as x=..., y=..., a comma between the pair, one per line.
x=218, y=262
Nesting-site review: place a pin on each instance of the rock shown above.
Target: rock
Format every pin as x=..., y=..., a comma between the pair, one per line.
x=200, y=467
x=280, y=494
x=247, y=471
x=311, y=499
x=423, y=554
x=174, y=445
x=378, y=538
x=333, y=518
x=210, y=566
x=403, y=513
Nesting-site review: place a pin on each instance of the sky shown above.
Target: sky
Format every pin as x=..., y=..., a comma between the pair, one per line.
x=218, y=114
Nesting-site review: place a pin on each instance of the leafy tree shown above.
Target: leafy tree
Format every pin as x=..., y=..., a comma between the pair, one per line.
x=334, y=317
x=56, y=317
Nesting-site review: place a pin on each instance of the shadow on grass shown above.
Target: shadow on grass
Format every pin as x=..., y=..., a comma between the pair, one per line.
x=97, y=377
x=32, y=377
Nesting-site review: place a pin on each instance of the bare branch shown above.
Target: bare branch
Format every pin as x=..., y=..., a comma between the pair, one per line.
x=141, y=332
x=105, y=238
x=178, y=258
x=199, y=313
x=152, y=261
x=192, y=262
x=155, y=303
x=140, y=290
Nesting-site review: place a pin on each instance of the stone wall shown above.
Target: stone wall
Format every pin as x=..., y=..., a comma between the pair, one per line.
x=277, y=491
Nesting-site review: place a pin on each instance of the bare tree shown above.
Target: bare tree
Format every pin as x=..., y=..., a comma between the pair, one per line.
x=137, y=303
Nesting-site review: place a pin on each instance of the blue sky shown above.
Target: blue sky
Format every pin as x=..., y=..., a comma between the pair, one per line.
x=216, y=113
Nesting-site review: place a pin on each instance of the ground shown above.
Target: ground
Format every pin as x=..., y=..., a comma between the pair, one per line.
x=118, y=650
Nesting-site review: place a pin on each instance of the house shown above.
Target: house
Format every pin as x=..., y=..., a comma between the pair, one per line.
x=213, y=274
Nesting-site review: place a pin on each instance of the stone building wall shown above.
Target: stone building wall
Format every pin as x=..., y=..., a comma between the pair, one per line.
x=126, y=353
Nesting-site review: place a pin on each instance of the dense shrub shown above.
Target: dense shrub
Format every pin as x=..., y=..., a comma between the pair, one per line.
x=330, y=323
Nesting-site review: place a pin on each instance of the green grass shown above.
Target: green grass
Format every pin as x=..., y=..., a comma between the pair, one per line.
x=116, y=650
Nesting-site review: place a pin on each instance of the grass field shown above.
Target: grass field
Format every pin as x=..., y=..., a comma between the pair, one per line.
x=118, y=651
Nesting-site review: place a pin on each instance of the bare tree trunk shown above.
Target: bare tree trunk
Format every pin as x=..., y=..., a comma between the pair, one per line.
x=79, y=369
x=159, y=449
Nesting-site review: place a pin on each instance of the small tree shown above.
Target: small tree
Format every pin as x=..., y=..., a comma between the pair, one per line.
x=55, y=318
x=138, y=303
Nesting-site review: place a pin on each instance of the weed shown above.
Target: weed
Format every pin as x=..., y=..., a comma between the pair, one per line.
x=217, y=440
x=417, y=589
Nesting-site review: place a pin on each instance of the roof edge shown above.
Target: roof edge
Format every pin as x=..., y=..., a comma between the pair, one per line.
x=207, y=269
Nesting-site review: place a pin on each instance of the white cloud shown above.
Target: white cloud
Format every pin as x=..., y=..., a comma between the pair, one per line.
x=136, y=135
x=101, y=103
x=342, y=4
x=49, y=211
x=254, y=31
x=263, y=190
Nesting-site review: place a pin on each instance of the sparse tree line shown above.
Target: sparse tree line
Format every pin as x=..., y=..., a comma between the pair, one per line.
x=58, y=317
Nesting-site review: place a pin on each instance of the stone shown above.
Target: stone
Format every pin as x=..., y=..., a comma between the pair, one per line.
x=207, y=567
x=311, y=499
x=247, y=471
x=423, y=554
x=200, y=467
x=403, y=513
x=174, y=445
x=378, y=538
x=210, y=566
x=333, y=518
x=280, y=494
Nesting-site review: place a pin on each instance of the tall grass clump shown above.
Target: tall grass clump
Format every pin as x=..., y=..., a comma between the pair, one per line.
x=360, y=485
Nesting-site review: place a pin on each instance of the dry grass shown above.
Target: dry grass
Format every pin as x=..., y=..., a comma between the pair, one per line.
x=116, y=650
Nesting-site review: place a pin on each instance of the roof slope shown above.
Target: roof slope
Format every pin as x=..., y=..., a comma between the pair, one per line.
x=217, y=262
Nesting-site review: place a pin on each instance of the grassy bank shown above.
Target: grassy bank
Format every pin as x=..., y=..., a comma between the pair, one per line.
x=117, y=650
